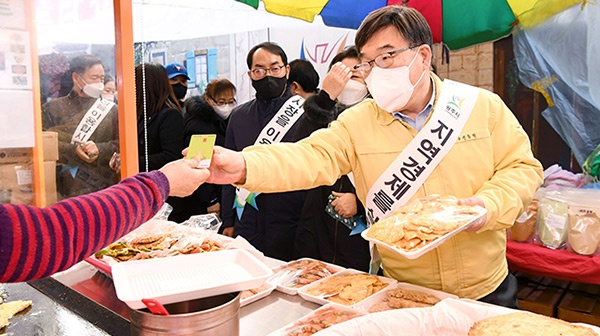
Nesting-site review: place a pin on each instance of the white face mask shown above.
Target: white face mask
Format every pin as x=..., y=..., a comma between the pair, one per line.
x=224, y=110
x=93, y=90
x=391, y=88
x=353, y=93
x=108, y=96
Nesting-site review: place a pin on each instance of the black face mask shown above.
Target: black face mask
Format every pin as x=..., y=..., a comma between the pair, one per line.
x=180, y=90
x=269, y=87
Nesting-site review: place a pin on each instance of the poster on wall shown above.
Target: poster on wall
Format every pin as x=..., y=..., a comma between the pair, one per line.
x=15, y=60
x=12, y=14
x=16, y=119
x=315, y=44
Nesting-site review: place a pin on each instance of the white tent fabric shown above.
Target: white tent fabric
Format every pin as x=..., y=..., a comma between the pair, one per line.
x=160, y=20
x=153, y=20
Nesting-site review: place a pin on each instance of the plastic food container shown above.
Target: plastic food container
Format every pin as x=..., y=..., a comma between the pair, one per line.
x=305, y=292
x=366, y=304
x=263, y=291
x=318, y=320
x=188, y=277
x=429, y=247
x=285, y=277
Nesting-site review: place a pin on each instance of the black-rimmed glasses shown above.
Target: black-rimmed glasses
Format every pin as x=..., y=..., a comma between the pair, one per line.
x=275, y=70
x=384, y=60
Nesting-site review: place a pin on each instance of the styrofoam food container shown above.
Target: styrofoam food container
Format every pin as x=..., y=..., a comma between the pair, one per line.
x=429, y=247
x=104, y=265
x=266, y=292
x=188, y=277
x=294, y=290
x=288, y=328
x=303, y=292
x=366, y=304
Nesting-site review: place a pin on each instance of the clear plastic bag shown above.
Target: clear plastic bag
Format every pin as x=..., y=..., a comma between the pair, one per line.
x=553, y=214
x=584, y=230
x=552, y=223
x=210, y=222
x=524, y=227
x=164, y=212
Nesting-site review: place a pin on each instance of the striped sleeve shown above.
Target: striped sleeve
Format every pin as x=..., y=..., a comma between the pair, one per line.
x=36, y=243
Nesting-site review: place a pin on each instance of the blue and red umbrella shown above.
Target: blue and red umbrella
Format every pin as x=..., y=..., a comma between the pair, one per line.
x=457, y=23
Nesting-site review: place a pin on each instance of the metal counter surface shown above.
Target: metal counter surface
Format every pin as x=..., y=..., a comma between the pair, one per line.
x=45, y=316
x=257, y=318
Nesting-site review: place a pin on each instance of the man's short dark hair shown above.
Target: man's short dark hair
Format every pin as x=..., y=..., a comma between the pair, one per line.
x=304, y=73
x=83, y=62
x=271, y=47
x=408, y=21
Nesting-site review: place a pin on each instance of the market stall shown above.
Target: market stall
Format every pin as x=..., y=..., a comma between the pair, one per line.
x=558, y=264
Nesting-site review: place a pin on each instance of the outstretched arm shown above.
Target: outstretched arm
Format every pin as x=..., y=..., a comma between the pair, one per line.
x=37, y=242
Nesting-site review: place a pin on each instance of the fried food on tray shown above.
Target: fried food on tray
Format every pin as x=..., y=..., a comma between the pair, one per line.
x=517, y=324
x=319, y=320
x=404, y=298
x=422, y=221
x=302, y=272
x=348, y=289
x=154, y=247
x=149, y=242
x=251, y=292
x=9, y=309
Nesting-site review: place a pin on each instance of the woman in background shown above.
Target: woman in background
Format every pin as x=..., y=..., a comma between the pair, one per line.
x=160, y=124
x=110, y=89
x=208, y=114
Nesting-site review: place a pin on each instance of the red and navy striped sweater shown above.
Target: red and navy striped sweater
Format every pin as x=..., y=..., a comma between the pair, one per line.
x=36, y=243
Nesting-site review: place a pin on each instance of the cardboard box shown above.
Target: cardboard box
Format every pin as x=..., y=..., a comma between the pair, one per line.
x=50, y=177
x=542, y=300
x=50, y=146
x=15, y=180
x=578, y=306
x=15, y=155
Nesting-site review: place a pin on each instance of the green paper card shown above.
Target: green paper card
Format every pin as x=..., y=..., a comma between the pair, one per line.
x=202, y=143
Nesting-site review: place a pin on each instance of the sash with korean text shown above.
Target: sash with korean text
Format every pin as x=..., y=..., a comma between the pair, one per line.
x=93, y=117
x=273, y=132
x=414, y=164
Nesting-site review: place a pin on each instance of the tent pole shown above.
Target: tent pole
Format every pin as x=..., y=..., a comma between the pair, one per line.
x=124, y=56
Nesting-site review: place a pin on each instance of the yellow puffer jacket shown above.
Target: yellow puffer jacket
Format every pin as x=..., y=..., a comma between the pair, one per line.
x=492, y=160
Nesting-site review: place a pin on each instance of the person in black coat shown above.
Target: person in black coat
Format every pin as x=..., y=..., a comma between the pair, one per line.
x=319, y=235
x=208, y=114
x=270, y=223
x=160, y=124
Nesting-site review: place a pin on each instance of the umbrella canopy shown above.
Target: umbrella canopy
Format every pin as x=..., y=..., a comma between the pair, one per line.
x=457, y=23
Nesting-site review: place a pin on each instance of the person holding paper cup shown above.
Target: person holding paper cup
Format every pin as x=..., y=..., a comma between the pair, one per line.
x=418, y=136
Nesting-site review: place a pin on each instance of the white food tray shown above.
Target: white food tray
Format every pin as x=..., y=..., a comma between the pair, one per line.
x=429, y=247
x=188, y=277
x=268, y=289
x=365, y=304
x=278, y=277
x=303, y=292
x=450, y=317
x=295, y=330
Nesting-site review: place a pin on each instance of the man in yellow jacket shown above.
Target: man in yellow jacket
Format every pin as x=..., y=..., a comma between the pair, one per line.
x=491, y=163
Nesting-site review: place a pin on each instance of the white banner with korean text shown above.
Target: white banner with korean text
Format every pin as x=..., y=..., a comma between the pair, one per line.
x=417, y=161
x=273, y=132
x=93, y=117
